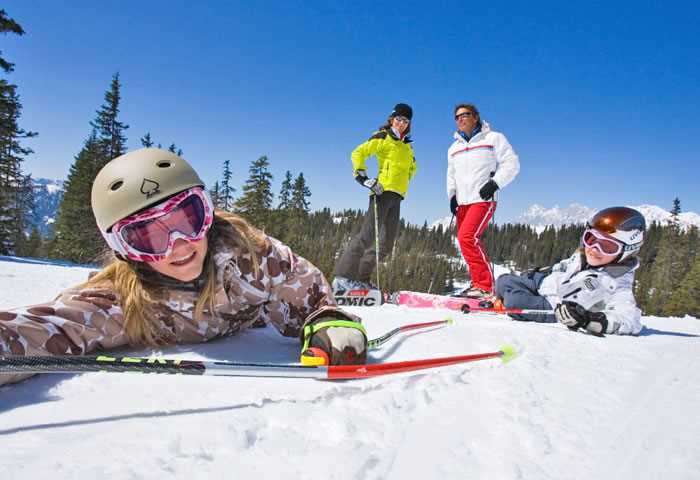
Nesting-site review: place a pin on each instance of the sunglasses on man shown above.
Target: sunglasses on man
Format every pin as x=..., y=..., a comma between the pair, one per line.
x=462, y=115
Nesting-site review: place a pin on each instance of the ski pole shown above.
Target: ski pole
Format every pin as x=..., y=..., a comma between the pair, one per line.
x=105, y=363
x=520, y=311
x=315, y=356
x=449, y=230
x=377, y=342
x=376, y=238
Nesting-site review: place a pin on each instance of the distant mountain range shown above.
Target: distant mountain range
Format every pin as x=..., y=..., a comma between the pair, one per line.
x=540, y=217
x=47, y=197
x=49, y=193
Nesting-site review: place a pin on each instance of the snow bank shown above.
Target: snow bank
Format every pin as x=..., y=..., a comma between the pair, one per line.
x=570, y=406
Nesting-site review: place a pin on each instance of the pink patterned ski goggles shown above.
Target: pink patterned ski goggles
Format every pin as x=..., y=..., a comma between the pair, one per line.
x=149, y=235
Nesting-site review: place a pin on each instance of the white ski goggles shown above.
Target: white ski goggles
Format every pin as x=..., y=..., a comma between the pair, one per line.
x=605, y=244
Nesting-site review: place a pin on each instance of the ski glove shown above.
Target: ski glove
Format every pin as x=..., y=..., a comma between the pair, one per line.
x=575, y=316
x=487, y=191
x=453, y=205
x=371, y=183
x=336, y=341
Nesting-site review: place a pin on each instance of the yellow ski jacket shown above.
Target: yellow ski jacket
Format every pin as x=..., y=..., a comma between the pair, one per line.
x=397, y=165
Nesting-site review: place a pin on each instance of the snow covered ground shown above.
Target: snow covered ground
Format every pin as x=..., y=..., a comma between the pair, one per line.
x=570, y=406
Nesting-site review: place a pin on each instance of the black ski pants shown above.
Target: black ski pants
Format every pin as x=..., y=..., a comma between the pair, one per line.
x=359, y=259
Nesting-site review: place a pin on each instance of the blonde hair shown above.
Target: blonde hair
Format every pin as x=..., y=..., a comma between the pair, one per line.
x=139, y=300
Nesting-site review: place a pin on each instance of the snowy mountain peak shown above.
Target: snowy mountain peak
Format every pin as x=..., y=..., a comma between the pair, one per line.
x=539, y=216
x=52, y=186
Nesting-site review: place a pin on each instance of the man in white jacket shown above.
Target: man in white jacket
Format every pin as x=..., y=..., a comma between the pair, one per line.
x=479, y=162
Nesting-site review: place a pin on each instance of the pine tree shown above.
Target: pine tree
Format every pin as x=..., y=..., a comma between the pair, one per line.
x=285, y=195
x=76, y=236
x=32, y=247
x=7, y=25
x=256, y=201
x=292, y=221
x=174, y=149
x=676, y=209
x=214, y=194
x=685, y=300
x=227, y=190
x=110, y=131
x=15, y=188
x=300, y=193
x=146, y=140
x=23, y=212
x=665, y=274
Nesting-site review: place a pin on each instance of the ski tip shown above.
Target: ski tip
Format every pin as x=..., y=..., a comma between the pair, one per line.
x=449, y=321
x=509, y=353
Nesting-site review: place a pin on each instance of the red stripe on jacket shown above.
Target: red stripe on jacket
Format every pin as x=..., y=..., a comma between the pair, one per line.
x=466, y=149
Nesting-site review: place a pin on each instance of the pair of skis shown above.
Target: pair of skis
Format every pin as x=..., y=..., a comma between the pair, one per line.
x=462, y=304
x=106, y=363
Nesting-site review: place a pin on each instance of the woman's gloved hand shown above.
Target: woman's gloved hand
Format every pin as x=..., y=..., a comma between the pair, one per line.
x=336, y=341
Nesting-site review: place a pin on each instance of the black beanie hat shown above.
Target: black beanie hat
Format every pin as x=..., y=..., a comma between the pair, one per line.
x=402, y=110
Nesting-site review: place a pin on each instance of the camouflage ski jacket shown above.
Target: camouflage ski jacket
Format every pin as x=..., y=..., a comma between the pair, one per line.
x=286, y=291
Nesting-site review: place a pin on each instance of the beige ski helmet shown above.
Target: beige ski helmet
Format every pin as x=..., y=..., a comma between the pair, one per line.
x=136, y=180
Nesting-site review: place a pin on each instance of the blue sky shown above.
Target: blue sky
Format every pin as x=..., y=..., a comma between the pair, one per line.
x=598, y=98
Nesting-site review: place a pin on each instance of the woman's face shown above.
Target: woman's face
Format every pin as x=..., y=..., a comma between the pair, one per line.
x=596, y=258
x=185, y=262
x=400, y=124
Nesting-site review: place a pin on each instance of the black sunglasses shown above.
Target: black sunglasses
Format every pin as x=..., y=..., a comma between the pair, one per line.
x=464, y=114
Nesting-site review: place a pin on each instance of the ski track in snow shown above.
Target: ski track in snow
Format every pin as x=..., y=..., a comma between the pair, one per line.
x=569, y=406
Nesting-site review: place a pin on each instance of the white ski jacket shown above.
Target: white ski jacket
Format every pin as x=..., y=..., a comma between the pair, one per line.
x=471, y=164
x=618, y=305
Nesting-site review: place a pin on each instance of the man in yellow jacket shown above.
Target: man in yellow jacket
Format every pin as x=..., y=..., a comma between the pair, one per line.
x=391, y=145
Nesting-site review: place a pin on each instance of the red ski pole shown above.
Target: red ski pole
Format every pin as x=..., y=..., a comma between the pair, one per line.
x=106, y=363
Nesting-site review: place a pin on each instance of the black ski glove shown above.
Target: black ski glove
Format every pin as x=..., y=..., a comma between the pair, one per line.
x=487, y=191
x=335, y=341
x=575, y=316
x=453, y=205
x=371, y=183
